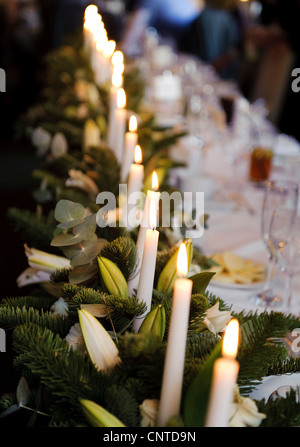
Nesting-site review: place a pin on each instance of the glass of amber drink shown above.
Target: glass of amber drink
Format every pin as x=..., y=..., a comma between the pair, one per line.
x=260, y=164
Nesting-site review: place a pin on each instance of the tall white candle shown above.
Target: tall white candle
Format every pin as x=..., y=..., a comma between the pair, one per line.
x=135, y=184
x=109, y=48
x=171, y=389
x=225, y=373
x=144, y=226
x=145, y=287
x=90, y=17
x=131, y=139
x=136, y=173
x=120, y=117
x=117, y=82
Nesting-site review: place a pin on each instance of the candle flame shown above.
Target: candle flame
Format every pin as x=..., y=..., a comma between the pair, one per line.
x=90, y=11
x=155, y=183
x=138, y=156
x=182, y=261
x=133, y=123
x=121, y=98
x=231, y=337
x=117, y=79
x=117, y=58
x=152, y=213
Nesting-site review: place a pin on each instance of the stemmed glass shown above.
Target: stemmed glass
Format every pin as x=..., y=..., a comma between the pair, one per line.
x=285, y=237
x=279, y=195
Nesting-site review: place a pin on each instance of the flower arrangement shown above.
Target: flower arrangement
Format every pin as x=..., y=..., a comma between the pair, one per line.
x=80, y=359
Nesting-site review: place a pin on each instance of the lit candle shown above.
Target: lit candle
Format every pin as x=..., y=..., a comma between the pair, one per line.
x=117, y=82
x=131, y=139
x=117, y=61
x=109, y=48
x=171, y=389
x=120, y=115
x=224, y=378
x=135, y=184
x=99, y=61
x=144, y=226
x=145, y=287
x=90, y=15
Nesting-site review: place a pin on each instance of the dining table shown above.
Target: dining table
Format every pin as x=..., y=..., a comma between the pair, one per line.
x=215, y=155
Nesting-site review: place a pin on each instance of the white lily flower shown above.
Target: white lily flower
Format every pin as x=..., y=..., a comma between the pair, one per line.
x=216, y=320
x=42, y=265
x=149, y=410
x=82, y=181
x=46, y=262
x=100, y=346
x=32, y=276
x=59, y=145
x=75, y=338
x=244, y=412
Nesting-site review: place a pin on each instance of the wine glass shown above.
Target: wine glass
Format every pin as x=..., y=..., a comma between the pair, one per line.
x=285, y=236
x=283, y=195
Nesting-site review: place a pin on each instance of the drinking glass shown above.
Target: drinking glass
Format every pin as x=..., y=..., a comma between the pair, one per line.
x=285, y=236
x=279, y=195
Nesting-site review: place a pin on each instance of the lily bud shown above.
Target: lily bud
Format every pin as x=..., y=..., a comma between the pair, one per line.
x=169, y=273
x=155, y=322
x=97, y=416
x=100, y=346
x=112, y=277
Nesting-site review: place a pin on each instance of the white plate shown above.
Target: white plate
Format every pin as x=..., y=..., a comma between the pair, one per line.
x=271, y=383
x=226, y=285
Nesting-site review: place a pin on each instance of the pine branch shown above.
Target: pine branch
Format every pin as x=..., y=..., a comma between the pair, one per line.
x=122, y=404
x=122, y=252
x=37, y=229
x=66, y=374
x=36, y=302
x=10, y=317
x=282, y=412
x=261, y=346
x=121, y=310
x=137, y=352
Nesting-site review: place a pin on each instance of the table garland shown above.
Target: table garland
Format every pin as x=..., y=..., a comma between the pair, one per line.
x=79, y=359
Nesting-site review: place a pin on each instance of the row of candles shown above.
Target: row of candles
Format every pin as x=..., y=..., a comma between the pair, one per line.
x=108, y=65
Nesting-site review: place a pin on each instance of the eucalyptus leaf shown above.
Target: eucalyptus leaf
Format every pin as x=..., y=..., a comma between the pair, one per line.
x=86, y=229
x=87, y=252
x=67, y=210
x=22, y=392
x=82, y=273
x=70, y=224
x=201, y=281
x=65, y=240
